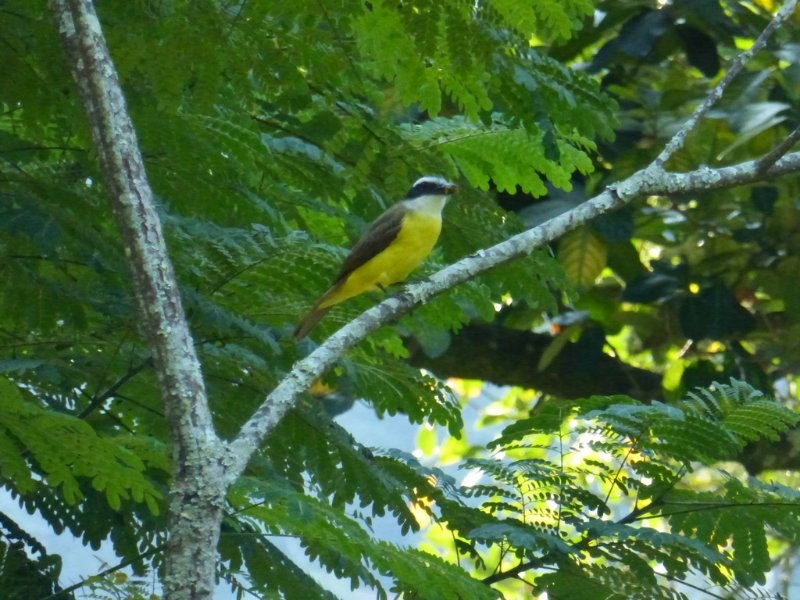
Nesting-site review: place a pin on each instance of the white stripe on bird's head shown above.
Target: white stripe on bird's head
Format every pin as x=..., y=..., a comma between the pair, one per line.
x=431, y=186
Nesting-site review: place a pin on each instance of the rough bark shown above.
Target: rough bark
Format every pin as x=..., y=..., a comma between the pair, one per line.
x=197, y=492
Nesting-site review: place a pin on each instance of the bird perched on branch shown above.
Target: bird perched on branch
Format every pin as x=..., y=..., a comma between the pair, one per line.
x=393, y=246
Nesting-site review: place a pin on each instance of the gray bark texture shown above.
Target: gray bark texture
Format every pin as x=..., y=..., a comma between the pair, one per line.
x=197, y=492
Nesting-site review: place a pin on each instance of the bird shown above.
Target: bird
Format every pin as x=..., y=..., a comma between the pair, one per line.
x=392, y=247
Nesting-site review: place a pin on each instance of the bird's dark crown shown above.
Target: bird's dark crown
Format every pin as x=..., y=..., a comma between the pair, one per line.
x=431, y=186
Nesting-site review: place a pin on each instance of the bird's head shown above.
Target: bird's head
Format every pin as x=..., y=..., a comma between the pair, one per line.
x=431, y=186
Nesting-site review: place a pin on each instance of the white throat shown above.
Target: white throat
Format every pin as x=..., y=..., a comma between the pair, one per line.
x=430, y=204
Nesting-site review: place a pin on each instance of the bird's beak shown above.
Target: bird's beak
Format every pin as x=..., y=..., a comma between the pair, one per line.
x=451, y=189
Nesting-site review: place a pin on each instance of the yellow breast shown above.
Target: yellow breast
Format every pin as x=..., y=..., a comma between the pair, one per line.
x=413, y=243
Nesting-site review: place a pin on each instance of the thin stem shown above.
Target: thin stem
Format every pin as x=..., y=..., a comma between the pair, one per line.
x=769, y=159
x=679, y=139
x=63, y=593
x=98, y=399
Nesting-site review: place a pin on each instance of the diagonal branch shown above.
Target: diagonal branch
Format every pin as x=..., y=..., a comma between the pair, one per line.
x=135, y=210
x=197, y=491
x=769, y=159
x=98, y=399
x=652, y=180
x=679, y=139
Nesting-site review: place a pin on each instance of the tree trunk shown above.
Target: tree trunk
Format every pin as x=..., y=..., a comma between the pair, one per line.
x=198, y=484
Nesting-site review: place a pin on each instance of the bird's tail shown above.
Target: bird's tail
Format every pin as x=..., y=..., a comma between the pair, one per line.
x=309, y=322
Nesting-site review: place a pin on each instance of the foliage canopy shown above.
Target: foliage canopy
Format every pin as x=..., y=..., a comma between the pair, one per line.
x=273, y=134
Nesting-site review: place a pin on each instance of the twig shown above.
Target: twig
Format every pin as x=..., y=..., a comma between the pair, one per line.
x=112, y=390
x=645, y=182
x=769, y=159
x=64, y=593
x=679, y=139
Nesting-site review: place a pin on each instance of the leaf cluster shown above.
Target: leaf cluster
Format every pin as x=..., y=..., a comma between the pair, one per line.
x=274, y=132
x=307, y=510
x=602, y=499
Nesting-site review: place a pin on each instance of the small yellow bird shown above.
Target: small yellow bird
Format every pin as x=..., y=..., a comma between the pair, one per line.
x=393, y=246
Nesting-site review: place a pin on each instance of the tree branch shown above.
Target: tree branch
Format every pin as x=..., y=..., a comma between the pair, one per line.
x=580, y=368
x=679, y=139
x=197, y=492
x=203, y=466
x=769, y=159
x=652, y=180
x=649, y=181
x=99, y=398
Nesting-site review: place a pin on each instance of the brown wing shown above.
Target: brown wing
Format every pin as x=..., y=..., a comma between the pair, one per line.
x=380, y=234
